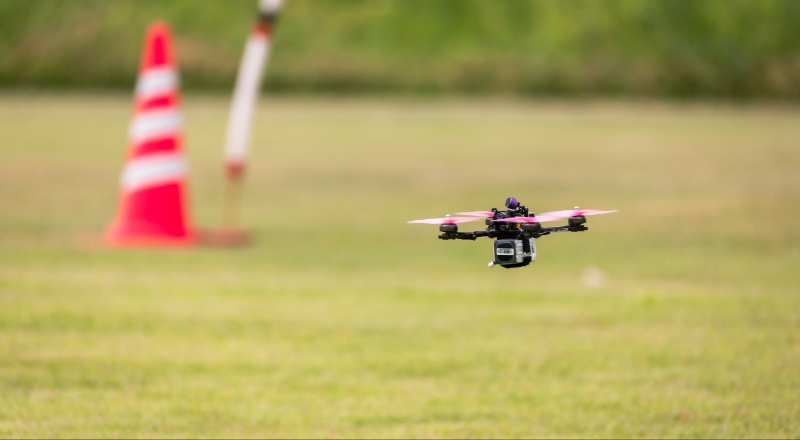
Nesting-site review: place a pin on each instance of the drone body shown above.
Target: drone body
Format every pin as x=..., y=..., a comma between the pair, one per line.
x=515, y=230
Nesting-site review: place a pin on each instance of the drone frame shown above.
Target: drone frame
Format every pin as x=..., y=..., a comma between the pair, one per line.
x=576, y=225
x=514, y=229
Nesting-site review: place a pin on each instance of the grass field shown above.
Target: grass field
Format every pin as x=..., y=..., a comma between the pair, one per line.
x=736, y=49
x=678, y=316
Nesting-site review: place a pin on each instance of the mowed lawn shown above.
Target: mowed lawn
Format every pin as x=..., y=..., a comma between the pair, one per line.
x=678, y=316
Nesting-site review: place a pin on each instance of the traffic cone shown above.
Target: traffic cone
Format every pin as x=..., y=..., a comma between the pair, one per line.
x=153, y=184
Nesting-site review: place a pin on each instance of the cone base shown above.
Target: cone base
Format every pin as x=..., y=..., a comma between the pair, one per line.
x=116, y=238
x=224, y=237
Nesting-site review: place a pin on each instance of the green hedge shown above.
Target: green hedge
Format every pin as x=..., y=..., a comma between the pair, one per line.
x=705, y=48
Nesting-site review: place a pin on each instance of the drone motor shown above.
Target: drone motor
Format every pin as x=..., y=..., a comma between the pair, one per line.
x=448, y=228
x=532, y=227
x=576, y=220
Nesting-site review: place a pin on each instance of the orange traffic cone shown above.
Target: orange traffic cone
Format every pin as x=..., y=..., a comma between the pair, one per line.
x=153, y=183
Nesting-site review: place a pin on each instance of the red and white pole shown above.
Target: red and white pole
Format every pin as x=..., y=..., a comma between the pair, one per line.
x=245, y=96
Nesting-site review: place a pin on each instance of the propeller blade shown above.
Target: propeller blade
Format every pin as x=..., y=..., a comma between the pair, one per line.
x=595, y=212
x=553, y=216
x=538, y=219
x=446, y=220
x=570, y=212
x=477, y=213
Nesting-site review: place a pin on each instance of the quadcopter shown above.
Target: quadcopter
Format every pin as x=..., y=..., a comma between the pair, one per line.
x=514, y=228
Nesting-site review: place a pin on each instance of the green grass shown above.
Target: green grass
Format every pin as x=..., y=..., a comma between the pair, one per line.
x=734, y=49
x=351, y=323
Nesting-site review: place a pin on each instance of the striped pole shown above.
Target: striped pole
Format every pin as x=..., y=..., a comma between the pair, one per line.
x=245, y=94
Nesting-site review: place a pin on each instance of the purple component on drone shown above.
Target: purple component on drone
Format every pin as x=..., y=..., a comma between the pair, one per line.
x=512, y=203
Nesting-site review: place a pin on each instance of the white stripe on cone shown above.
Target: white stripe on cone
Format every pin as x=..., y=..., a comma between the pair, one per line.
x=153, y=170
x=157, y=81
x=154, y=124
x=245, y=94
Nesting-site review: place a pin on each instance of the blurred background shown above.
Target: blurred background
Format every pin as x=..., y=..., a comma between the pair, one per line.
x=678, y=316
x=732, y=49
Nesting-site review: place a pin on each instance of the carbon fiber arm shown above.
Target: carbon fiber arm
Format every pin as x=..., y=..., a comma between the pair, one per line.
x=492, y=234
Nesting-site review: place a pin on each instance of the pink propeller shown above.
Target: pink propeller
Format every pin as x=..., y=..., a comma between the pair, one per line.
x=477, y=213
x=571, y=212
x=553, y=216
x=447, y=220
x=538, y=219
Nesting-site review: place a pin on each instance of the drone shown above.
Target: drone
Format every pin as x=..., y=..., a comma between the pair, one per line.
x=515, y=229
